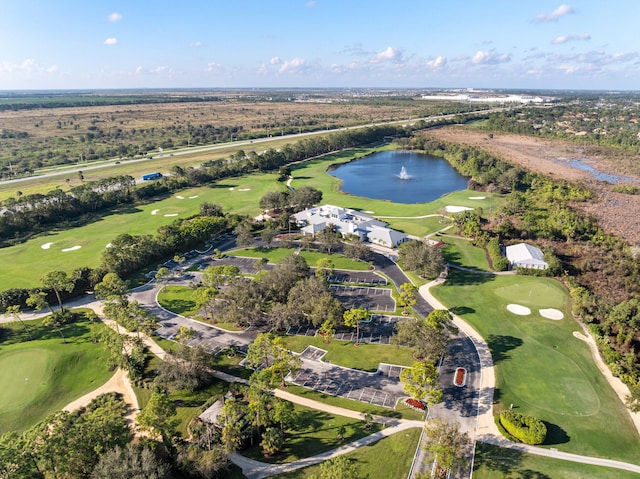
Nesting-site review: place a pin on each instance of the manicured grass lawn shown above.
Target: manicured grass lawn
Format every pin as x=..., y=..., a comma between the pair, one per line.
x=493, y=462
x=316, y=432
x=401, y=410
x=417, y=226
x=461, y=252
x=275, y=255
x=541, y=367
x=178, y=299
x=389, y=457
x=365, y=357
x=44, y=375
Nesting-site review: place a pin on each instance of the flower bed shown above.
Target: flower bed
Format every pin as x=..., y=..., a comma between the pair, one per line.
x=415, y=404
x=460, y=378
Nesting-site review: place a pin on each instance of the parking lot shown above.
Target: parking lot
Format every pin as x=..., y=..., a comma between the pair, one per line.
x=378, y=330
x=375, y=299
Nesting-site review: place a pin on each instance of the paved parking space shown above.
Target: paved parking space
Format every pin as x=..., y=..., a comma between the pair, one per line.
x=377, y=299
x=378, y=330
x=357, y=277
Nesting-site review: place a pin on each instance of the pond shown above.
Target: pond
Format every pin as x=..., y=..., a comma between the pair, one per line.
x=399, y=176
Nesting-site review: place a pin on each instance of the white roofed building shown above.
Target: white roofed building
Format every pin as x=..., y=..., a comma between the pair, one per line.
x=348, y=222
x=524, y=255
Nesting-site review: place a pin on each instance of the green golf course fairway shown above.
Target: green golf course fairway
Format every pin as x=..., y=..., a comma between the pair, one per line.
x=25, y=376
x=541, y=368
x=25, y=263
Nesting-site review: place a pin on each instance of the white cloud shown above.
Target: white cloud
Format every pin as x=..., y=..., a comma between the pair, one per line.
x=212, y=67
x=275, y=61
x=312, y=4
x=389, y=55
x=195, y=44
x=568, y=38
x=111, y=41
x=437, y=63
x=115, y=17
x=490, y=57
x=561, y=11
x=294, y=65
x=139, y=70
x=28, y=66
x=159, y=69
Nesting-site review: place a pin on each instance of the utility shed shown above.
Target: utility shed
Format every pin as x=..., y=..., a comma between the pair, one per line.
x=524, y=255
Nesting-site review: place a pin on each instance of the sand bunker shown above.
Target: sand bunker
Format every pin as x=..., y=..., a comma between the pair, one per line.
x=171, y=214
x=519, y=310
x=73, y=248
x=155, y=212
x=108, y=245
x=477, y=197
x=192, y=197
x=580, y=336
x=46, y=246
x=231, y=189
x=244, y=189
x=457, y=209
x=180, y=197
x=551, y=313
x=368, y=212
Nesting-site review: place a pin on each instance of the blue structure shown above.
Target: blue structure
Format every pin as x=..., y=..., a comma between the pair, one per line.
x=152, y=176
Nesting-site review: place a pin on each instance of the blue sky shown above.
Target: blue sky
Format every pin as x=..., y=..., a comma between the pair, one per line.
x=583, y=44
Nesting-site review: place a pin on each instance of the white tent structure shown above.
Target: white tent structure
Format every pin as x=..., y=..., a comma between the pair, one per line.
x=524, y=255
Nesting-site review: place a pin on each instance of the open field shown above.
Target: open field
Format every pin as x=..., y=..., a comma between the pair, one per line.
x=44, y=375
x=365, y=357
x=540, y=367
x=393, y=455
x=492, y=462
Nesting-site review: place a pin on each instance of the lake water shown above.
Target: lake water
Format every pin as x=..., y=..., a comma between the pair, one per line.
x=381, y=176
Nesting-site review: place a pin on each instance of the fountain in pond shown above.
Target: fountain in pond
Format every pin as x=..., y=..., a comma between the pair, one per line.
x=404, y=175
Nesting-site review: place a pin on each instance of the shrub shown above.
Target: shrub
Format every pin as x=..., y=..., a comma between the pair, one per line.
x=527, y=429
x=500, y=263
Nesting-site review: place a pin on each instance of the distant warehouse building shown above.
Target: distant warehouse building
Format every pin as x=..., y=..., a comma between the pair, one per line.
x=524, y=255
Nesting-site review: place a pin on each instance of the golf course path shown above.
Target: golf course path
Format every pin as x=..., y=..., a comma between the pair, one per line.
x=119, y=383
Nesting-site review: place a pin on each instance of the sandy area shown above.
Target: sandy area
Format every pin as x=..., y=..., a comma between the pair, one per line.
x=171, y=214
x=73, y=248
x=518, y=309
x=108, y=245
x=46, y=246
x=477, y=197
x=155, y=212
x=193, y=197
x=244, y=189
x=180, y=197
x=456, y=209
x=616, y=213
x=551, y=313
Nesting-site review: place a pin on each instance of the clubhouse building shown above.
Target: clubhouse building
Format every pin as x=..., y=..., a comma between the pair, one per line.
x=349, y=222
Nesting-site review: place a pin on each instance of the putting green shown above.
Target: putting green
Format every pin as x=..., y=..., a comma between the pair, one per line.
x=25, y=376
x=533, y=294
x=555, y=393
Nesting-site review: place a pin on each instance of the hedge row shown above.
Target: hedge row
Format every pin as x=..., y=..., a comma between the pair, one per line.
x=527, y=429
x=500, y=263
